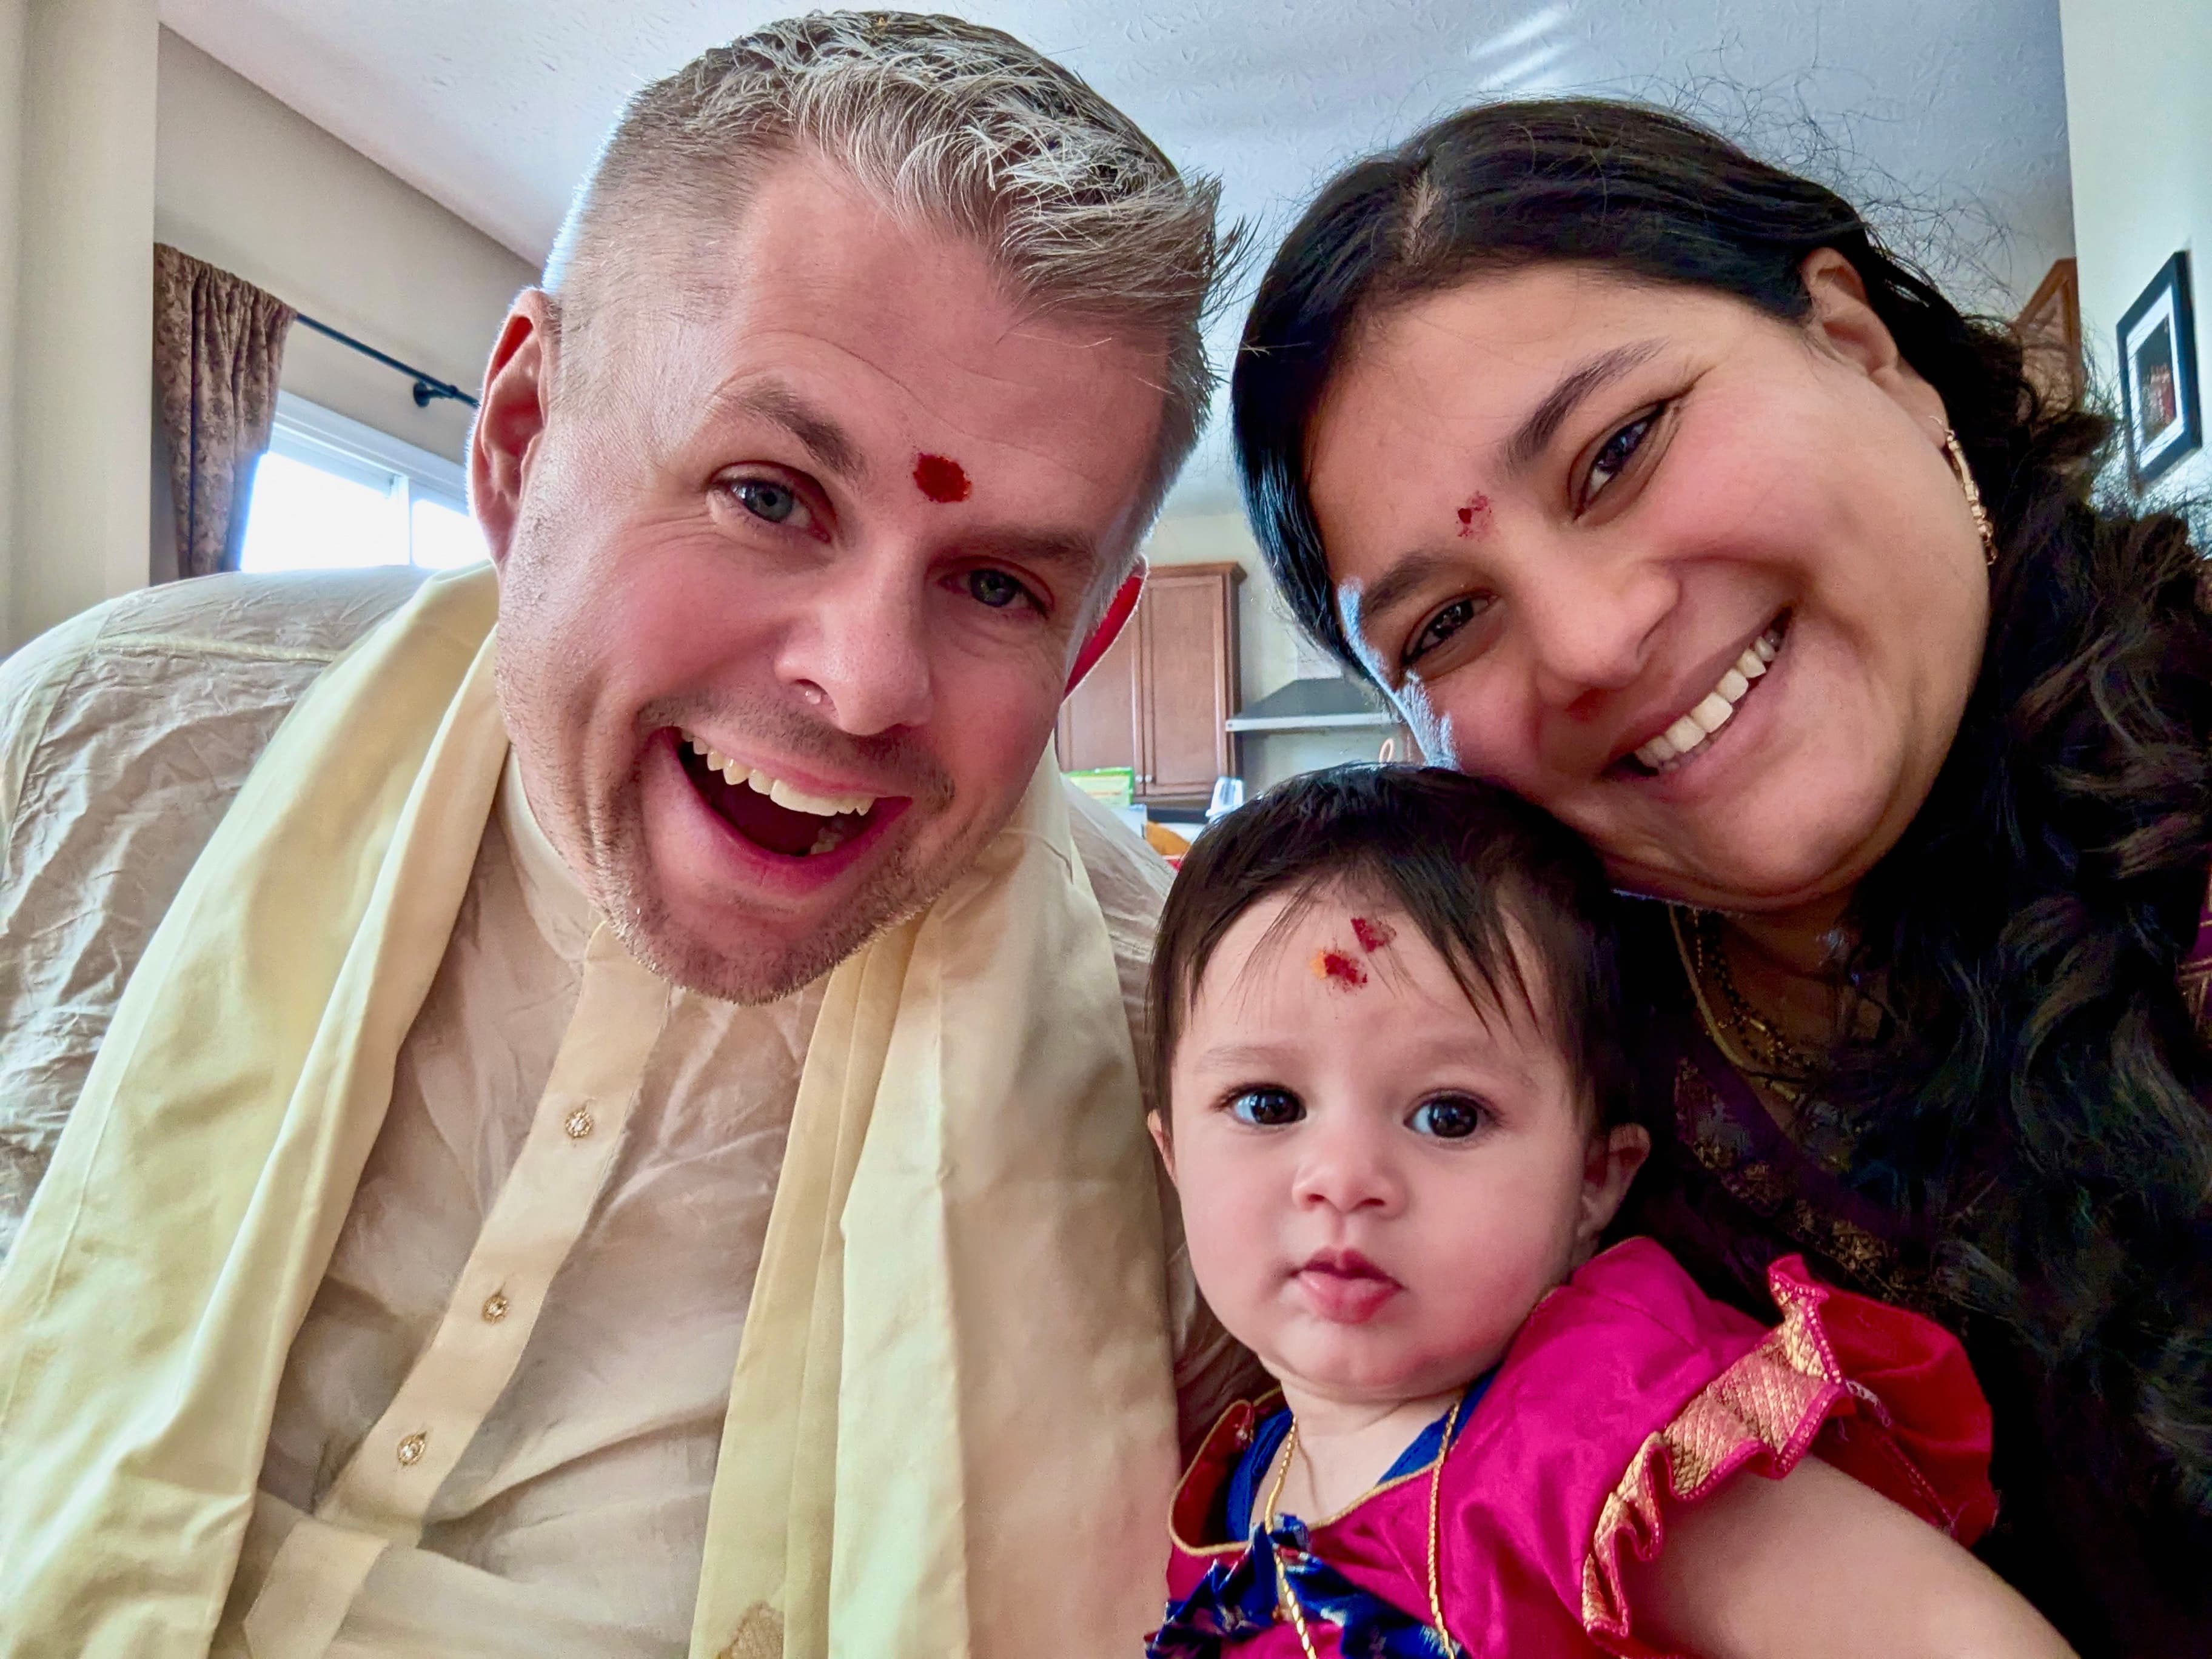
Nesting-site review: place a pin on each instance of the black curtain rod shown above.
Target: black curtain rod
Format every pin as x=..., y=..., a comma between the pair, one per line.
x=428, y=387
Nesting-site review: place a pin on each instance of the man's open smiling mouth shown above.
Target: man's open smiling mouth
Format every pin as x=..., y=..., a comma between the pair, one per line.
x=773, y=815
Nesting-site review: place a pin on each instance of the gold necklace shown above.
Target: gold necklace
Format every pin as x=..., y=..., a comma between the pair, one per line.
x=1286, y=1594
x=1776, y=1060
x=1829, y=1136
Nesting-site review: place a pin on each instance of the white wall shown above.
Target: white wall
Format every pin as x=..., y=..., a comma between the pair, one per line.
x=247, y=184
x=76, y=279
x=2139, y=125
x=14, y=19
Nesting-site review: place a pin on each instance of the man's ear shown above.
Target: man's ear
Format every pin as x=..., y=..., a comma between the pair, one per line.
x=1119, y=609
x=1848, y=328
x=512, y=420
x=1157, y=1125
x=1614, y=1157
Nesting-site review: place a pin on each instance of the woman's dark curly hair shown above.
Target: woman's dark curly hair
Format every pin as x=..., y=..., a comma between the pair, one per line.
x=2033, y=1102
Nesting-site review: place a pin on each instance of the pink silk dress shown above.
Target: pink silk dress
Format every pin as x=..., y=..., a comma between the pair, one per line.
x=1627, y=1394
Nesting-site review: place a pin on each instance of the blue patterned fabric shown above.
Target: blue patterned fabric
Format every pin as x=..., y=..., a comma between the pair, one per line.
x=1235, y=1602
x=1236, y=1599
x=1241, y=1492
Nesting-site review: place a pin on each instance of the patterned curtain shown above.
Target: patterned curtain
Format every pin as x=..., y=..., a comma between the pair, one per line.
x=218, y=341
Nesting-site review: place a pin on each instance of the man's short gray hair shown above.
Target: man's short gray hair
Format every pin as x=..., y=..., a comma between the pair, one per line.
x=950, y=124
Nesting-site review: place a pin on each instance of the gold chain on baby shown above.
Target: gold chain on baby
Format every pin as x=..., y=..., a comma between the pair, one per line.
x=1286, y=1594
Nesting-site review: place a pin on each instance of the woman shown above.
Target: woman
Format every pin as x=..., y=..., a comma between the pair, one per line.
x=1642, y=478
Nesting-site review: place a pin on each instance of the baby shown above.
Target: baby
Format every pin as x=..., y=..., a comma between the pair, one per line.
x=1387, y=1024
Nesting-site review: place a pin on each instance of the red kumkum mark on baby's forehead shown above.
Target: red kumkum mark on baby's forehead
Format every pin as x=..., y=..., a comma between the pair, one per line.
x=1339, y=969
x=1373, y=935
x=940, y=478
x=1474, y=516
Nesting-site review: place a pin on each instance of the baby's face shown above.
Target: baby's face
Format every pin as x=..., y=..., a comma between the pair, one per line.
x=1378, y=1181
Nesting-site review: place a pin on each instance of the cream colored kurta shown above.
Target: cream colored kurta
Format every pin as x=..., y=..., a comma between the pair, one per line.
x=523, y=1343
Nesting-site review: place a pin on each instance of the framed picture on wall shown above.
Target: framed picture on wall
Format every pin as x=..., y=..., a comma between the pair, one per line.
x=2049, y=330
x=2157, y=374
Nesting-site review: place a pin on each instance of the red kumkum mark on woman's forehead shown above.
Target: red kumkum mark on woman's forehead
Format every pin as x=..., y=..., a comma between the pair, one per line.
x=1373, y=935
x=1475, y=515
x=940, y=478
x=1339, y=969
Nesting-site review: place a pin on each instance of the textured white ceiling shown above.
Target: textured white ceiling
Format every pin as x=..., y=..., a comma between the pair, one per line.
x=1949, y=114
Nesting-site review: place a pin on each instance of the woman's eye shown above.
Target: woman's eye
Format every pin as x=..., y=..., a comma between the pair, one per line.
x=1441, y=627
x=1266, y=1108
x=996, y=589
x=1614, y=455
x=1447, y=1117
x=765, y=499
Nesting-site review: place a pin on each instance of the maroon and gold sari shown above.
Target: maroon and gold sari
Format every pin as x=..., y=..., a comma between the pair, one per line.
x=1729, y=1192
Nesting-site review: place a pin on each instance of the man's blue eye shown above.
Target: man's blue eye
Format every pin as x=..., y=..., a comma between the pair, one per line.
x=763, y=500
x=994, y=588
x=1266, y=1108
x=1447, y=1117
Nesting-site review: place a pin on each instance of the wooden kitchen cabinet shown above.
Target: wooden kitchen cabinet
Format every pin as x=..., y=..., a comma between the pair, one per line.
x=1156, y=701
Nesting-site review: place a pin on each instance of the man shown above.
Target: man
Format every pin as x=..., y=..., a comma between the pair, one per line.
x=480, y=1108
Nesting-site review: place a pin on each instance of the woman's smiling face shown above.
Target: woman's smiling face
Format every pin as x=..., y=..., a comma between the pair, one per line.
x=1568, y=514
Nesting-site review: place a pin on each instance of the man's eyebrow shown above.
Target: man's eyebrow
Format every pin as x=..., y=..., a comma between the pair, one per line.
x=1046, y=547
x=1544, y=422
x=771, y=400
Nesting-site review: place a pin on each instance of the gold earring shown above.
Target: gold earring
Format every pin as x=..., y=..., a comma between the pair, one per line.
x=1957, y=457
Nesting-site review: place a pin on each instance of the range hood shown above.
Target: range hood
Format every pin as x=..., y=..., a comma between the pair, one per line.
x=1334, y=703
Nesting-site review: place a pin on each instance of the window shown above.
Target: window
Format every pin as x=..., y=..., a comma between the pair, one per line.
x=331, y=493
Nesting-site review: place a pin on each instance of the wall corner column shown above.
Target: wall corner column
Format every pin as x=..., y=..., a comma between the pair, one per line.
x=76, y=214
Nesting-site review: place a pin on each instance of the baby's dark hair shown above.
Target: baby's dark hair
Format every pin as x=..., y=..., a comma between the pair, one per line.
x=1470, y=864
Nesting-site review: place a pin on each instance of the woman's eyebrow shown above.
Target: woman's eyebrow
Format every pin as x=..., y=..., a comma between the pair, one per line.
x=1406, y=577
x=1412, y=572
x=1544, y=422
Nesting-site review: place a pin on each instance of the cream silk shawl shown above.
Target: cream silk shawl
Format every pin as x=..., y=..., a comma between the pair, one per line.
x=951, y=1427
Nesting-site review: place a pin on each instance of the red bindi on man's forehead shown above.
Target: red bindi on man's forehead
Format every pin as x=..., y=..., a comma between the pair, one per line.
x=941, y=478
x=1474, y=516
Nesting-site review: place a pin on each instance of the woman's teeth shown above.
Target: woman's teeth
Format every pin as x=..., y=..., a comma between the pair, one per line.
x=783, y=794
x=1695, y=729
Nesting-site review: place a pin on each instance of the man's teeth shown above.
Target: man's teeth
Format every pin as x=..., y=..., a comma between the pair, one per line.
x=1712, y=712
x=783, y=794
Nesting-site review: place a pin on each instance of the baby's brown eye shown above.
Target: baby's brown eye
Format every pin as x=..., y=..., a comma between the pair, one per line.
x=1266, y=1108
x=1447, y=1117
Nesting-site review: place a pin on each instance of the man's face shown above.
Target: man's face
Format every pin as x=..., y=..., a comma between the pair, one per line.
x=827, y=515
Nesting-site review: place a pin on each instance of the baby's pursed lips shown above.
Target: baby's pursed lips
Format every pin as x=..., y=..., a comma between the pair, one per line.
x=1344, y=1264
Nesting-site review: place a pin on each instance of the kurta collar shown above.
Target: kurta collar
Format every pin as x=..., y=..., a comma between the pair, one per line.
x=557, y=905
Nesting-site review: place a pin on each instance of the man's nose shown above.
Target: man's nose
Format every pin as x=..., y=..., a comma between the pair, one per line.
x=859, y=652
x=1588, y=623
x=1347, y=1167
